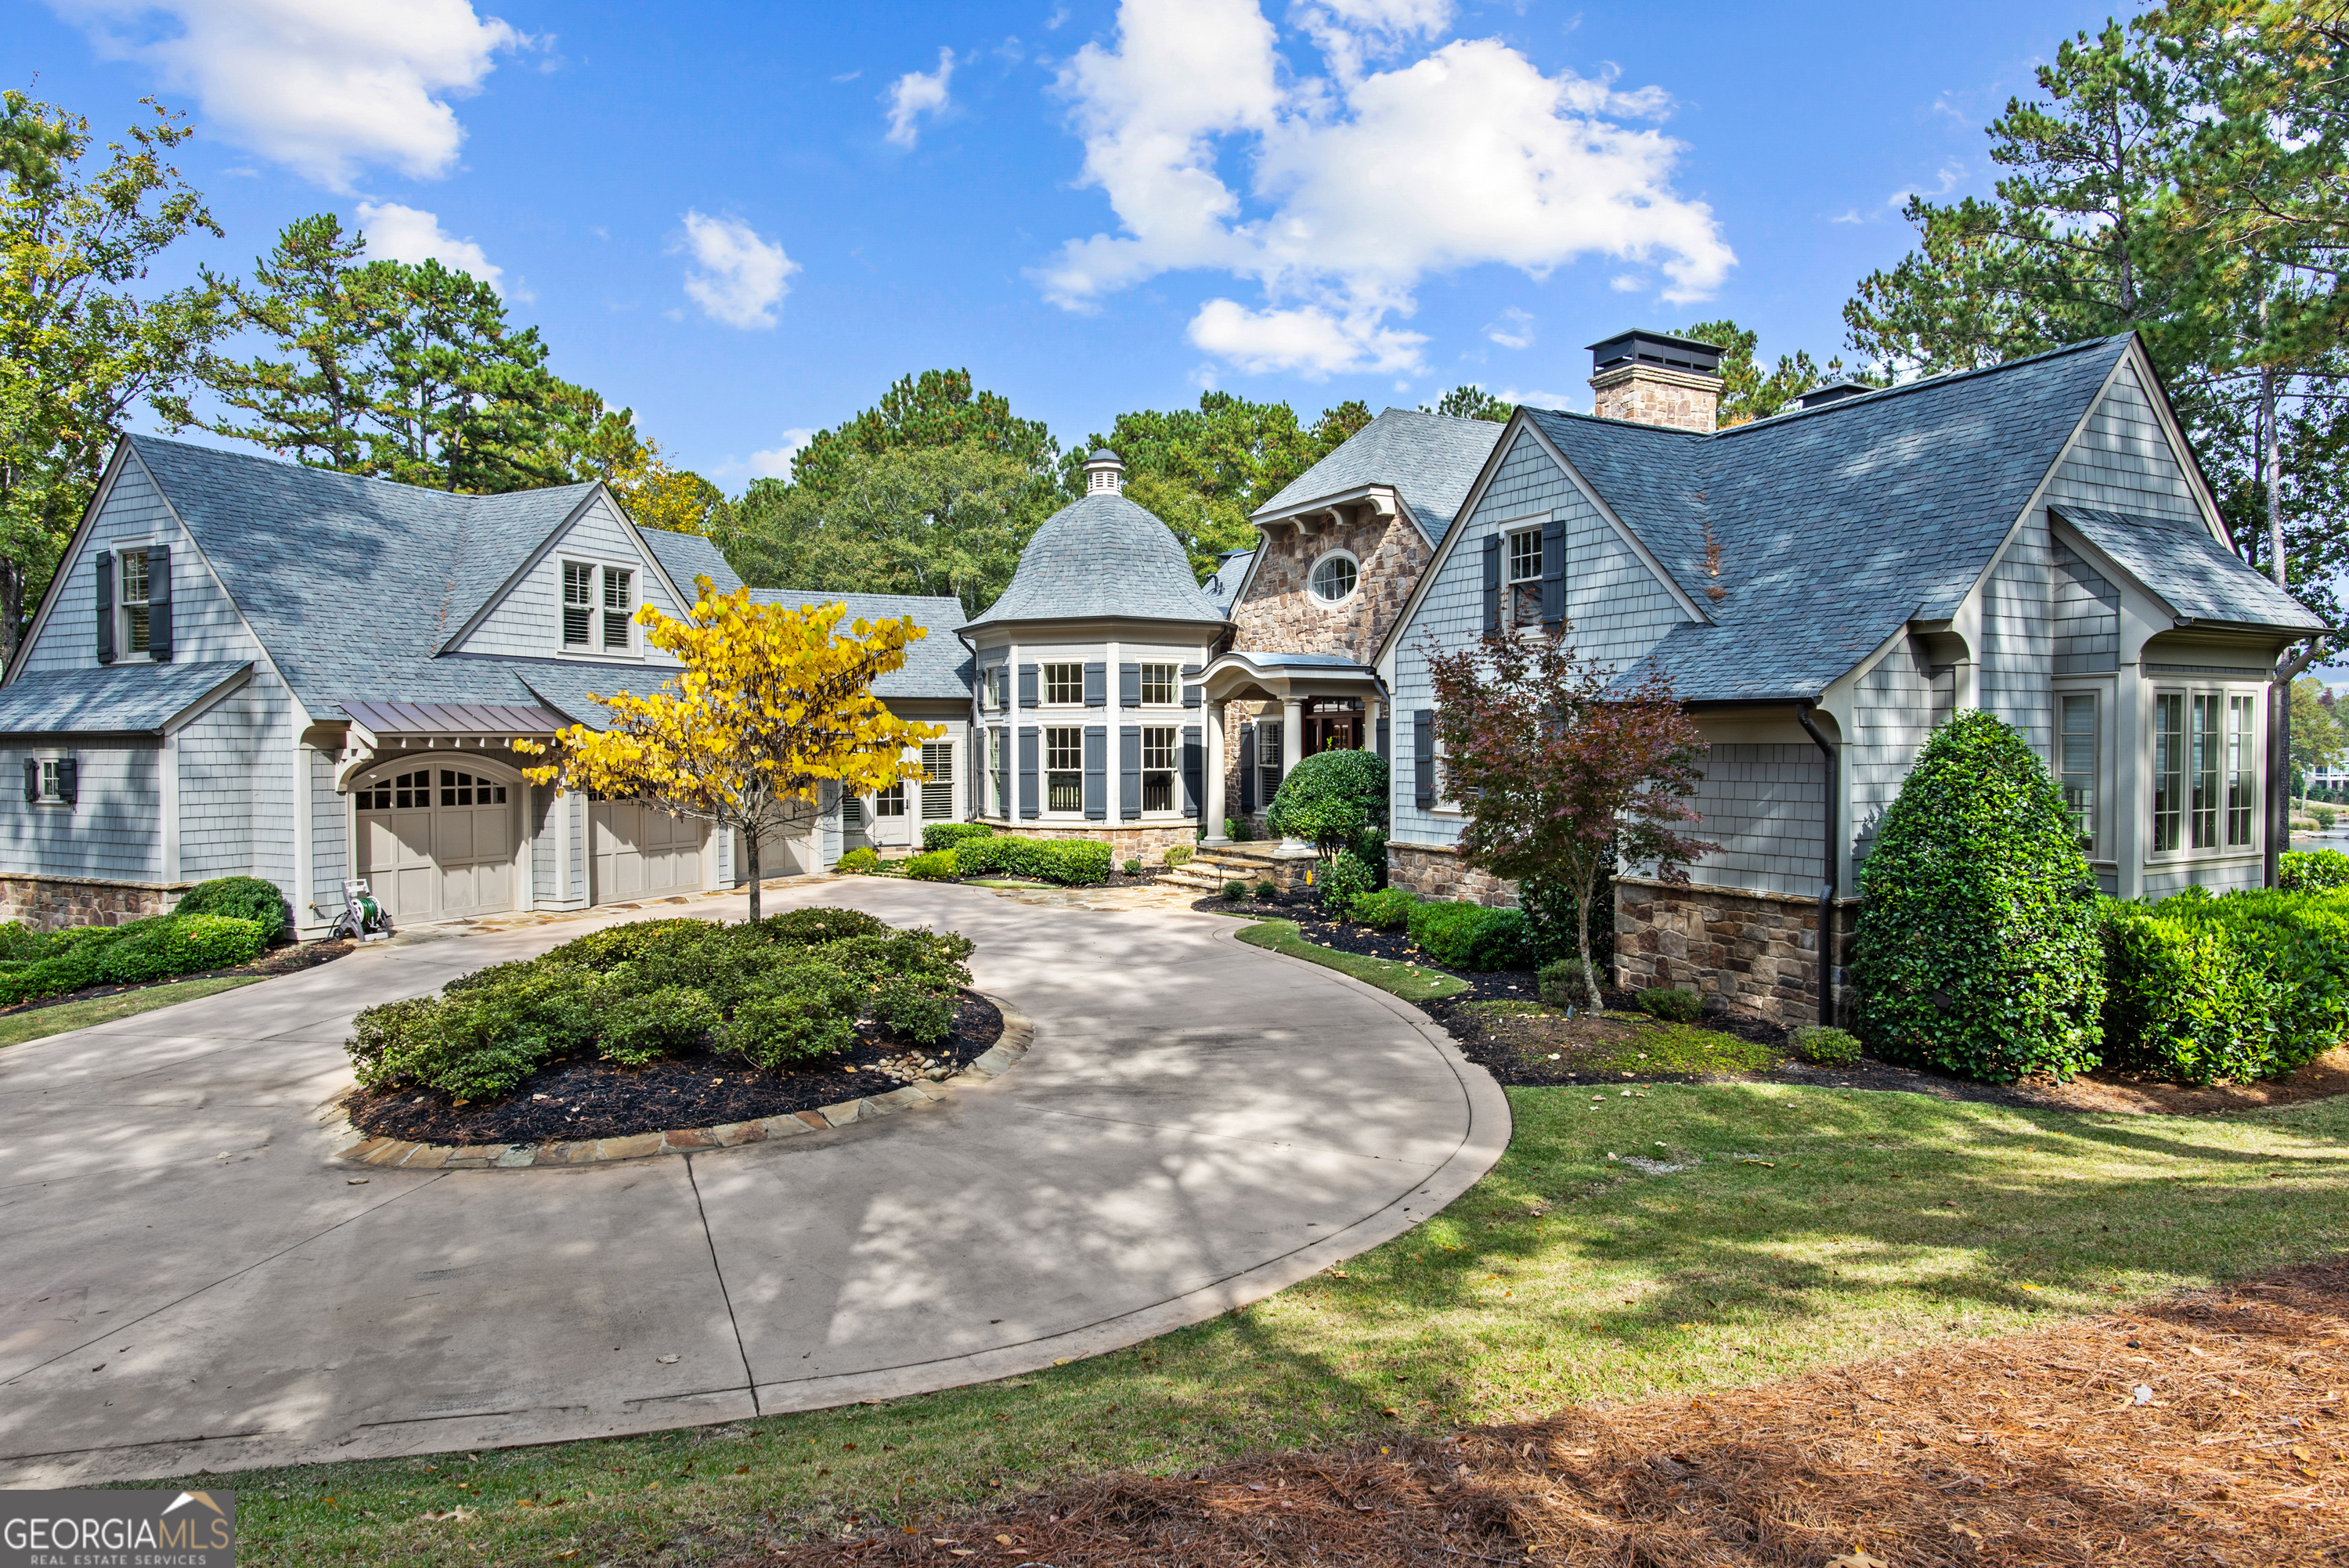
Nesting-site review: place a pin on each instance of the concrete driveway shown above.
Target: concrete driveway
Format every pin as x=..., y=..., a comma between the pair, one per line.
x=188, y=1280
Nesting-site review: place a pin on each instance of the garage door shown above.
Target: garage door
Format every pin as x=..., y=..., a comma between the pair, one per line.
x=437, y=843
x=640, y=853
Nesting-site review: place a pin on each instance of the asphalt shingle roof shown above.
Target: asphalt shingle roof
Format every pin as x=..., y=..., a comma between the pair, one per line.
x=685, y=556
x=1103, y=558
x=937, y=666
x=2187, y=570
x=1223, y=585
x=1431, y=459
x=120, y=699
x=1836, y=525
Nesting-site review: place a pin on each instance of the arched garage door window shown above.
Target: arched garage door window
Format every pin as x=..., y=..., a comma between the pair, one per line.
x=439, y=843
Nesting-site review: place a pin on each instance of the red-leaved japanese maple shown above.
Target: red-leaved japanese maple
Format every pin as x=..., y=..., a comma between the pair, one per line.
x=1557, y=774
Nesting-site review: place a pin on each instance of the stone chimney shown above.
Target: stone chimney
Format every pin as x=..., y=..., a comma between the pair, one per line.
x=1105, y=473
x=1655, y=378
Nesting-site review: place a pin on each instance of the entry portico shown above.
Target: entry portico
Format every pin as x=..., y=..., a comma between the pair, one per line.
x=1325, y=702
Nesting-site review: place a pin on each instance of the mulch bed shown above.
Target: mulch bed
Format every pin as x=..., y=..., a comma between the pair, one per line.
x=591, y=1098
x=288, y=960
x=2208, y=1427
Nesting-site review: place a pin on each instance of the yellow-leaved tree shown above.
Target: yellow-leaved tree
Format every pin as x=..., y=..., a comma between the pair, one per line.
x=771, y=704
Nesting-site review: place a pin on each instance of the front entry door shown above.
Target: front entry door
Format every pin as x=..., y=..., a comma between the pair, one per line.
x=437, y=843
x=1333, y=732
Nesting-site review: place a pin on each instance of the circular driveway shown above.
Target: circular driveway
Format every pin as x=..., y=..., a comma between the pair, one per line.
x=188, y=1280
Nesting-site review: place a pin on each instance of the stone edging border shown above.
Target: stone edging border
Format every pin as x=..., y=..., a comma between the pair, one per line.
x=355, y=1147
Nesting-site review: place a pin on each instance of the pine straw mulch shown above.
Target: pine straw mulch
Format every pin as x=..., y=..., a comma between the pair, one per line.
x=2205, y=1429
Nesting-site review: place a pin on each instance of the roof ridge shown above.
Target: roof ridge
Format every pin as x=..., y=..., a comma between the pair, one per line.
x=142, y=439
x=1922, y=383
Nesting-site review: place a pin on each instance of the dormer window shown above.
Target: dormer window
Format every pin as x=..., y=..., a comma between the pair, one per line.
x=596, y=614
x=619, y=603
x=578, y=601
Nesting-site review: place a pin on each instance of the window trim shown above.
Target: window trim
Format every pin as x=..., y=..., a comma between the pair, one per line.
x=1174, y=668
x=1313, y=573
x=52, y=797
x=123, y=607
x=2222, y=695
x=1045, y=684
x=1046, y=771
x=599, y=570
x=1171, y=771
x=2098, y=835
x=947, y=783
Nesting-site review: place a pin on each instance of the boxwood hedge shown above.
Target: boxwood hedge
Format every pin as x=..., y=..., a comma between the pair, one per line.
x=2246, y=986
x=160, y=947
x=1069, y=862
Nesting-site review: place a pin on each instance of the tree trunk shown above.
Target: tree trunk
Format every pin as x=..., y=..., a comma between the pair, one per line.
x=2271, y=472
x=1582, y=937
x=753, y=831
x=12, y=610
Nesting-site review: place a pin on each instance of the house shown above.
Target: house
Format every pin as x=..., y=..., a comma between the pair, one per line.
x=247, y=666
x=1824, y=587
x=1087, y=689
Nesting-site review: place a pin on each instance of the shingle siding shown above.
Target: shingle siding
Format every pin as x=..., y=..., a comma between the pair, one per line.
x=2017, y=654
x=1764, y=804
x=2122, y=461
x=2085, y=608
x=221, y=785
x=1893, y=714
x=109, y=832
x=329, y=839
x=528, y=623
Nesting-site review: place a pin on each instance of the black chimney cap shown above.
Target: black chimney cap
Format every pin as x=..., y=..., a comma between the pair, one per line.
x=1656, y=349
x=1834, y=392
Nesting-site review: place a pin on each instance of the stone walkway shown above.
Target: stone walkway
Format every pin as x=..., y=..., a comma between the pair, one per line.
x=189, y=1279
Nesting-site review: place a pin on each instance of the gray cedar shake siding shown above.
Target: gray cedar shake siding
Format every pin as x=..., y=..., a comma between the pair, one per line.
x=2007, y=539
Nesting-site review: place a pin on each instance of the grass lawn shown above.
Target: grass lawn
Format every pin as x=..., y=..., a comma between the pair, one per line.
x=15, y=1029
x=1407, y=980
x=1809, y=1227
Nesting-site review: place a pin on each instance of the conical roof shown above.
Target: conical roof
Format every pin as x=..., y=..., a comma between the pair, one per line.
x=1103, y=558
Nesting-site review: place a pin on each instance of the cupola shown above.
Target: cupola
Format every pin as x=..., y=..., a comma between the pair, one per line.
x=1105, y=473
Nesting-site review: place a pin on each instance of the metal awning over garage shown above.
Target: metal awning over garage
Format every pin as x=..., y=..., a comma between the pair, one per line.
x=379, y=729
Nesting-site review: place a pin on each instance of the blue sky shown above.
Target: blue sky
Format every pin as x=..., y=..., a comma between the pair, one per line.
x=744, y=221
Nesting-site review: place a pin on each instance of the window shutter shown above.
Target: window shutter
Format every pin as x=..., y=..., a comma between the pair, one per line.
x=1191, y=693
x=1129, y=686
x=1553, y=572
x=1027, y=686
x=1129, y=773
x=68, y=780
x=106, y=606
x=1492, y=582
x=1248, y=769
x=158, y=603
x=1027, y=807
x=1194, y=769
x=32, y=782
x=1096, y=768
x=1423, y=757
x=1096, y=686
x=1384, y=725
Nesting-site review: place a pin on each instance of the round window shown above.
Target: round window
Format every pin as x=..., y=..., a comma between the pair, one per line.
x=1334, y=577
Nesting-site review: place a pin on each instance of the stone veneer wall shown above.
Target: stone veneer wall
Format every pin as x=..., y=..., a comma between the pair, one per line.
x=1143, y=843
x=1433, y=873
x=1279, y=616
x=53, y=903
x=1740, y=949
x=1654, y=395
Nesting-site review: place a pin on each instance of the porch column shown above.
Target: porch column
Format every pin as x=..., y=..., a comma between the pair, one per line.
x=1215, y=770
x=1370, y=724
x=1292, y=735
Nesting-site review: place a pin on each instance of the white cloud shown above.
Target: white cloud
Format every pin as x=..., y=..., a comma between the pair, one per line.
x=1361, y=182
x=398, y=234
x=1848, y=215
x=1951, y=172
x=914, y=95
x=1537, y=397
x=738, y=278
x=324, y=87
x=1626, y=282
x=775, y=463
x=1513, y=330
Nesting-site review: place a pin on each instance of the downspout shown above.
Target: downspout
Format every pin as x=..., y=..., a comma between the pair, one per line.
x=1831, y=860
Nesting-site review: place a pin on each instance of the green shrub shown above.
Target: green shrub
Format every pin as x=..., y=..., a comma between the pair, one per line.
x=2325, y=817
x=1068, y=863
x=817, y=924
x=1267, y=888
x=913, y=1012
x=1559, y=983
x=615, y=946
x=1673, y=1004
x=1825, y=1047
x=1177, y=855
x=1332, y=798
x=809, y=1011
x=1234, y=888
x=1344, y=880
x=935, y=865
x=952, y=835
x=1239, y=829
x=180, y=945
x=1469, y=936
x=480, y=1042
x=2311, y=871
x=79, y=938
x=2247, y=987
x=18, y=942
x=247, y=898
x=1978, y=950
x=857, y=862
x=1389, y=909
x=1133, y=866
x=651, y=1024
x=71, y=970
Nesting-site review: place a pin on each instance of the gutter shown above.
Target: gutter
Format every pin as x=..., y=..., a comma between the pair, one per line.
x=1832, y=861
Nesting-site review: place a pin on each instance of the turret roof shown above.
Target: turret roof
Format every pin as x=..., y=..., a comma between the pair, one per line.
x=1103, y=558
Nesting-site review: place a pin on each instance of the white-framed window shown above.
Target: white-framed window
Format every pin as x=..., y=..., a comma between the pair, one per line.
x=1334, y=578
x=2206, y=771
x=937, y=791
x=1158, y=754
x=2204, y=755
x=2079, y=753
x=619, y=606
x=890, y=802
x=1065, y=684
x=1158, y=686
x=2168, y=770
x=1521, y=577
x=578, y=604
x=53, y=781
x=132, y=589
x=1064, y=769
x=1444, y=800
x=1268, y=755
x=2243, y=771
x=990, y=689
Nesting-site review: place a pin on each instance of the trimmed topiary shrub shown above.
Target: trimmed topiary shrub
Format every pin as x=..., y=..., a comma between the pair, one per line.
x=1332, y=798
x=2247, y=987
x=1978, y=949
x=2311, y=871
x=247, y=898
x=1389, y=909
x=1133, y=866
x=948, y=835
x=1821, y=1045
x=1069, y=862
x=1344, y=882
x=1234, y=888
x=1673, y=1004
x=1267, y=888
x=938, y=865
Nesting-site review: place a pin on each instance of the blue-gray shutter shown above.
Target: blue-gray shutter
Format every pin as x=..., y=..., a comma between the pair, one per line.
x=1423, y=757
x=1384, y=723
x=1553, y=572
x=1129, y=773
x=1191, y=693
x=1492, y=582
x=32, y=782
x=106, y=606
x=1248, y=769
x=1096, y=686
x=1026, y=686
x=1129, y=686
x=1194, y=769
x=1027, y=806
x=68, y=780
x=158, y=603
x=1097, y=771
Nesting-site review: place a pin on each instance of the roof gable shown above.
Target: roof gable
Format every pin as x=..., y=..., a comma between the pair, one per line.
x=1431, y=461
